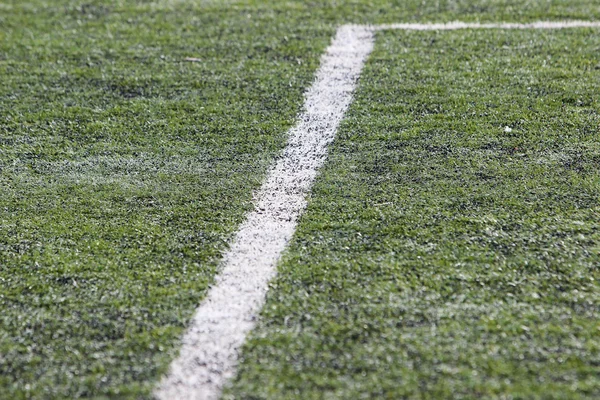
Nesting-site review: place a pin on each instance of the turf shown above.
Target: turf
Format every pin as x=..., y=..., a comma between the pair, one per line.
x=451, y=245
x=125, y=168
x=124, y=171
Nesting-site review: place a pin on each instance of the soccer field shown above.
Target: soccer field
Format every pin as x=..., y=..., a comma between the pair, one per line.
x=450, y=247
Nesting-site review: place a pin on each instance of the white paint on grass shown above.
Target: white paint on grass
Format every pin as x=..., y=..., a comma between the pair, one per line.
x=450, y=26
x=210, y=347
x=209, y=352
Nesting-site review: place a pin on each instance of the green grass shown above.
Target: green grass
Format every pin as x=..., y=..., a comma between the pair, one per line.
x=124, y=170
x=441, y=256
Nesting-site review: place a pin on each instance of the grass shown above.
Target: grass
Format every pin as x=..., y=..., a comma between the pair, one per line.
x=443, y=256
x=125, y=169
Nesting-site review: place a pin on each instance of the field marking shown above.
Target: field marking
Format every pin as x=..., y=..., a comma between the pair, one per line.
x=450, y=26
x=209, y=352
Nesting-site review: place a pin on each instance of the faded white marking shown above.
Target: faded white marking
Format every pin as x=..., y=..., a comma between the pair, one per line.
x=209, y=351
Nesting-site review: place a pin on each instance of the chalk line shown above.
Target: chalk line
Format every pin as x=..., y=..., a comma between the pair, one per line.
x=209, y=351
x=450, y=26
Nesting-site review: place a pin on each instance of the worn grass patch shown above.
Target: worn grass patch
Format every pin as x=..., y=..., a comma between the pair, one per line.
x=451, y=245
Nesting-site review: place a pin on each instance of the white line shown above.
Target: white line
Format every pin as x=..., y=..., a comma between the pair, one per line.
x=501, y=25
x=209, y=352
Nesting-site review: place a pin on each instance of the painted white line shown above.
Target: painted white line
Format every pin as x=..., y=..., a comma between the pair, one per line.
x=209, y=352
x=501, y=25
